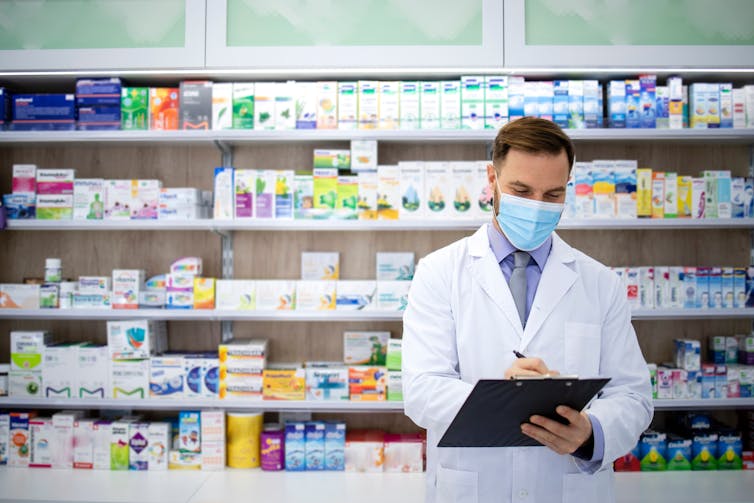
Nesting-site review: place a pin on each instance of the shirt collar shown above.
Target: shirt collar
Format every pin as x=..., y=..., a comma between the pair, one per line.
x=502, y=248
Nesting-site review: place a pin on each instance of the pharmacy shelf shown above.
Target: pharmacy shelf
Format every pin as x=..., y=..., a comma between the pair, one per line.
x=364, y=225
x=199, y=314
x=189, y=404
x=111, y=225
x=692, y=314
x=704, y=404
x=234, y=137
x=301, y=405
x=312, y=316
x=176, y=486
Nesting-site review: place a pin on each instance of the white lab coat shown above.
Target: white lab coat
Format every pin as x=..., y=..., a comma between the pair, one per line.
x=461, y=325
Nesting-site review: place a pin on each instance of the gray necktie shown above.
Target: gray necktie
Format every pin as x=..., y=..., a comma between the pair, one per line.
x=517, y=283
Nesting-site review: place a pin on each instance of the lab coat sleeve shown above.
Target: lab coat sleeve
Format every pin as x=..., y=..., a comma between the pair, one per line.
x=432, y=388
x=625, y=407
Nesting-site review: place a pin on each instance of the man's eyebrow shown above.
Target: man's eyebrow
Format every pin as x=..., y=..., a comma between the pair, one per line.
x=521, y=184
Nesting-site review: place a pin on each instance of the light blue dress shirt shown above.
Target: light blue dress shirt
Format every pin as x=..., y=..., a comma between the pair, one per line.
x=503, y=250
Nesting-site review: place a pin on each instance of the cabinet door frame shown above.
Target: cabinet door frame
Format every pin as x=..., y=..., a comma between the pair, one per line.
x=278, y=59
x=520, y=55
x=190, y=56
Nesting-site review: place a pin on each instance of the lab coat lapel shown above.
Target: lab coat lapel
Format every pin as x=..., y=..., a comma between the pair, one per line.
x=557, y=278
x=486, y=273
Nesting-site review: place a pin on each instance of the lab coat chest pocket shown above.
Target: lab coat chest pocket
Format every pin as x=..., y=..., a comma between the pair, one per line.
x=582, y=348
x=456, y=486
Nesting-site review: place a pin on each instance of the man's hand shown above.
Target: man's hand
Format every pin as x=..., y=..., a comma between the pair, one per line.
x=528, y=367
x=561, y=438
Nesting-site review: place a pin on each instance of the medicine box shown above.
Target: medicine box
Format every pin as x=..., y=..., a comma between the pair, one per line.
x=389, y=105
x=41, y=442
x=392, y=295
x=54, y=207
x=64, y=424
x=411, y=189
x=410, y=111
x=129, y=379
x=395, y=385
x=130, y=339
x=242, y=105
x=355, y=295
x=83, y=444
x=363, y=155
x=369, y=106
x=327, y=105
x=284, y=382
x=20, y=206
x=163, y=108
x=93, y=372
x=365, y=451
x=367, y=383
x=224, y=207
x=58, y=376
x=127, y=283
x=134, y=108
x=326, y=381
x=27, y=350
x=195, y=104
x=295, y=446
x=365, y=348
x=235, y=294
x=189, y=431
x=472, y=102
x=285, y=105
x=450, y=104
x=43, y=112
x=24, y=179
x=167, y=376
x=335, y=444
x=404, y=453
x=98, y=92
x=204, y=293
x=348, y=105
x=276, y=295
x=20, y=446
x=430, y=104
x=17, y=296
x=315, y=295
x=314, y=434
x=496, y=103
x=88, y=199
x=320, y=265
x=158, y=445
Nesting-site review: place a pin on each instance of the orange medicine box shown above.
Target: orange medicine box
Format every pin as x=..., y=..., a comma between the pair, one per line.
x=367, y=384
x=163, y=108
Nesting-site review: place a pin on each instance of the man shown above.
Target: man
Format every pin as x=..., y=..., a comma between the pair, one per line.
x=515, y=285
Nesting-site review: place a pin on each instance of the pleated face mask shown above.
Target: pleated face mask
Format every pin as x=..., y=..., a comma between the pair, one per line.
x=525, y=222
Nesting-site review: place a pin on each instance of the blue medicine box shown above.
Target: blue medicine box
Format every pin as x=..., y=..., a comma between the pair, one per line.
x=43, y=112
x=99, y=118
x=4, y=108
x=20, y=206
x=98, y=92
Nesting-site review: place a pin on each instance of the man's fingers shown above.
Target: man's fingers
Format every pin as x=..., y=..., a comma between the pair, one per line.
x=571, y=414
x=545, y=438
x=548, y=424
x=534, y=364
x=515, y=372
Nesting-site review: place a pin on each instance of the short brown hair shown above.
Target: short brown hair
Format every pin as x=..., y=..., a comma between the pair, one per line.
x=534, y=136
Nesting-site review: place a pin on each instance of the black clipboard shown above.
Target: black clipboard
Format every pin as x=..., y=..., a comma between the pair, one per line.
x=493, y=413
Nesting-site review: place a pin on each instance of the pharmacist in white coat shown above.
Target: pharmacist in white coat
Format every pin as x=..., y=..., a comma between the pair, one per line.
x=474, y=302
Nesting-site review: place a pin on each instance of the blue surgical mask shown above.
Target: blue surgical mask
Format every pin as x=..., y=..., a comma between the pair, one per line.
x=527, y=223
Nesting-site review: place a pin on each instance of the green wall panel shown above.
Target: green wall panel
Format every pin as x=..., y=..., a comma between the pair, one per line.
x=343, y=23
x=91, y=24
x=639, y=22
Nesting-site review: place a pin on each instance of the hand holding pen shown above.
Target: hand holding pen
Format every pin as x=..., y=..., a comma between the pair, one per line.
x=524, y=366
